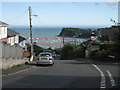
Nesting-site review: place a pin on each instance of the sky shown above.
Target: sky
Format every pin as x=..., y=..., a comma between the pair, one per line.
x=60, y=13
x=119, y=12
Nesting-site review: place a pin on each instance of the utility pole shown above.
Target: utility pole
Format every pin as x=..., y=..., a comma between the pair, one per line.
x=31, y=33
x=63, y=40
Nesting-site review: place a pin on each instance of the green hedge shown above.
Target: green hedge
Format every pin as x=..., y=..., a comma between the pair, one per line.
x=106, y=46
x=105, y=50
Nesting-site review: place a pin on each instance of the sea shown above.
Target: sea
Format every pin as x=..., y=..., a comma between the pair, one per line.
x=40, y=32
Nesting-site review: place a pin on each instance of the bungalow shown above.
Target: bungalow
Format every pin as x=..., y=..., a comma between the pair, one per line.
x=9, y=36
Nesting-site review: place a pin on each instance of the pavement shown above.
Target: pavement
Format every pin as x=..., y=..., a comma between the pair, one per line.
x=72, y=74
x=18, y=69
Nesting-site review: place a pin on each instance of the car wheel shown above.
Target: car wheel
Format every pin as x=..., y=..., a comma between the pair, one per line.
x=51, y=64
x=37, y=64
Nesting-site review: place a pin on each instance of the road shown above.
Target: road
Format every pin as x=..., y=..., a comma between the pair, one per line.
x=66, y=74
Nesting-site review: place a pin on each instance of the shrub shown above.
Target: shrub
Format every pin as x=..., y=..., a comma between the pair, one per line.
x=67, y=51
x=93, y=53
x=101, y=55
x=106, y=46
x=79, y=52
x=71, y=51
x=58, y=51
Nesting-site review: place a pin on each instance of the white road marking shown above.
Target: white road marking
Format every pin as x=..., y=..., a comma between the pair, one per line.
x=102, y=77
x=111, y=78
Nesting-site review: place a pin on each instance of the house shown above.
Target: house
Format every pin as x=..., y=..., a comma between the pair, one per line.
x=93, y=36
x=3, y=31
x=12, y=37
x=9, y=36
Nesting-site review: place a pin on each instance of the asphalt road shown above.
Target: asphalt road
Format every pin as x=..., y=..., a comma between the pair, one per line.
x=66, y=74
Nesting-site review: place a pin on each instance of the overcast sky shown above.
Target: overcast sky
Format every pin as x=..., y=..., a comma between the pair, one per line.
x=60, y=13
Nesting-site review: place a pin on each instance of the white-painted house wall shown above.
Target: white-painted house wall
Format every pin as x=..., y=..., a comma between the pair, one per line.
x=4, y=35
x=13, y=40
x=17, y=39
x=3, y=32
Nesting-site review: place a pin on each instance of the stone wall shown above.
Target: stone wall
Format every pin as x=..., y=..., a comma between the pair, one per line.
x=8, y=63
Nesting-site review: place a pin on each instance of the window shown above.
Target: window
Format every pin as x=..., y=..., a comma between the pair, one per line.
x=43, y=55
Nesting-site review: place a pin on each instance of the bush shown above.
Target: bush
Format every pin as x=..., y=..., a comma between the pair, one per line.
x=93, y=53
x=111, y=49
x=67, y=51
x=71, y=51
x=101, y=55
x=79, y=52
x=106, y=46
x=58, y=51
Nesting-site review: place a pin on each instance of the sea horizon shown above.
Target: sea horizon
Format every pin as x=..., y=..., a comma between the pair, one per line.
x=43, y=31
x=82, y=27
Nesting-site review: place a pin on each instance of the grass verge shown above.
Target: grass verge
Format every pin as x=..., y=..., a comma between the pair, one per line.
x=15, y=66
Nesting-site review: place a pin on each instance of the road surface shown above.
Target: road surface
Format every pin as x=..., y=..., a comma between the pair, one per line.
x=66, y=74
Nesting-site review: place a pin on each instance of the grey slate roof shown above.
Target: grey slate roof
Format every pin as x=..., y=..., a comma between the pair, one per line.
x=21, y=38
x=11, y=33
x=3, y=24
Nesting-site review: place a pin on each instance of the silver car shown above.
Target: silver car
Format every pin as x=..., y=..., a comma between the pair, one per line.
x=45, y=58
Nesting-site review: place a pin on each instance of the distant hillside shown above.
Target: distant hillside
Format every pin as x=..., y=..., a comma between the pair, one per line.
x=76, y=32
x=108, y=34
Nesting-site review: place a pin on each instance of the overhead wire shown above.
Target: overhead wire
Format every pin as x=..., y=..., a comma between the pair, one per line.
x=17, y=18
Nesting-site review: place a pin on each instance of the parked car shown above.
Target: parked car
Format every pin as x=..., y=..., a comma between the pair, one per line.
x=54, y=54
x=45, y=58
x=50, y=51
x=47, y=51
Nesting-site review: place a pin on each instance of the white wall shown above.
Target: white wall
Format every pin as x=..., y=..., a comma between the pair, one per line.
x=3, y=32
x=13, y=40
x=17, y=39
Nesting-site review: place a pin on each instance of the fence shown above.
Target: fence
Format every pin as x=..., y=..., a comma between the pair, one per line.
x=7, y=51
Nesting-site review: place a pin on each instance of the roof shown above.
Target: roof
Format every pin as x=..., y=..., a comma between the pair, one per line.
x=3, y=24
x=21, y=38
x=11, y=33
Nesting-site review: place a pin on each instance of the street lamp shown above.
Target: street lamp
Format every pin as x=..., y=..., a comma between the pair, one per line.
x=35, y=15
x=32, y=51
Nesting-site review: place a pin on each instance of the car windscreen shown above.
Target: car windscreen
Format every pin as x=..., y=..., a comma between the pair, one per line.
x=44, y=55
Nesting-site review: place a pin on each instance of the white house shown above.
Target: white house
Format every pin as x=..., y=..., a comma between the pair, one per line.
x=3, y=31
x=93, y=36
x=9, y=36
x=12, y=37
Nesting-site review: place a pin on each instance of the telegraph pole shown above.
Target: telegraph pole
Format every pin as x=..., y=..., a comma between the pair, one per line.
x=31, y=33
x=63, y=41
